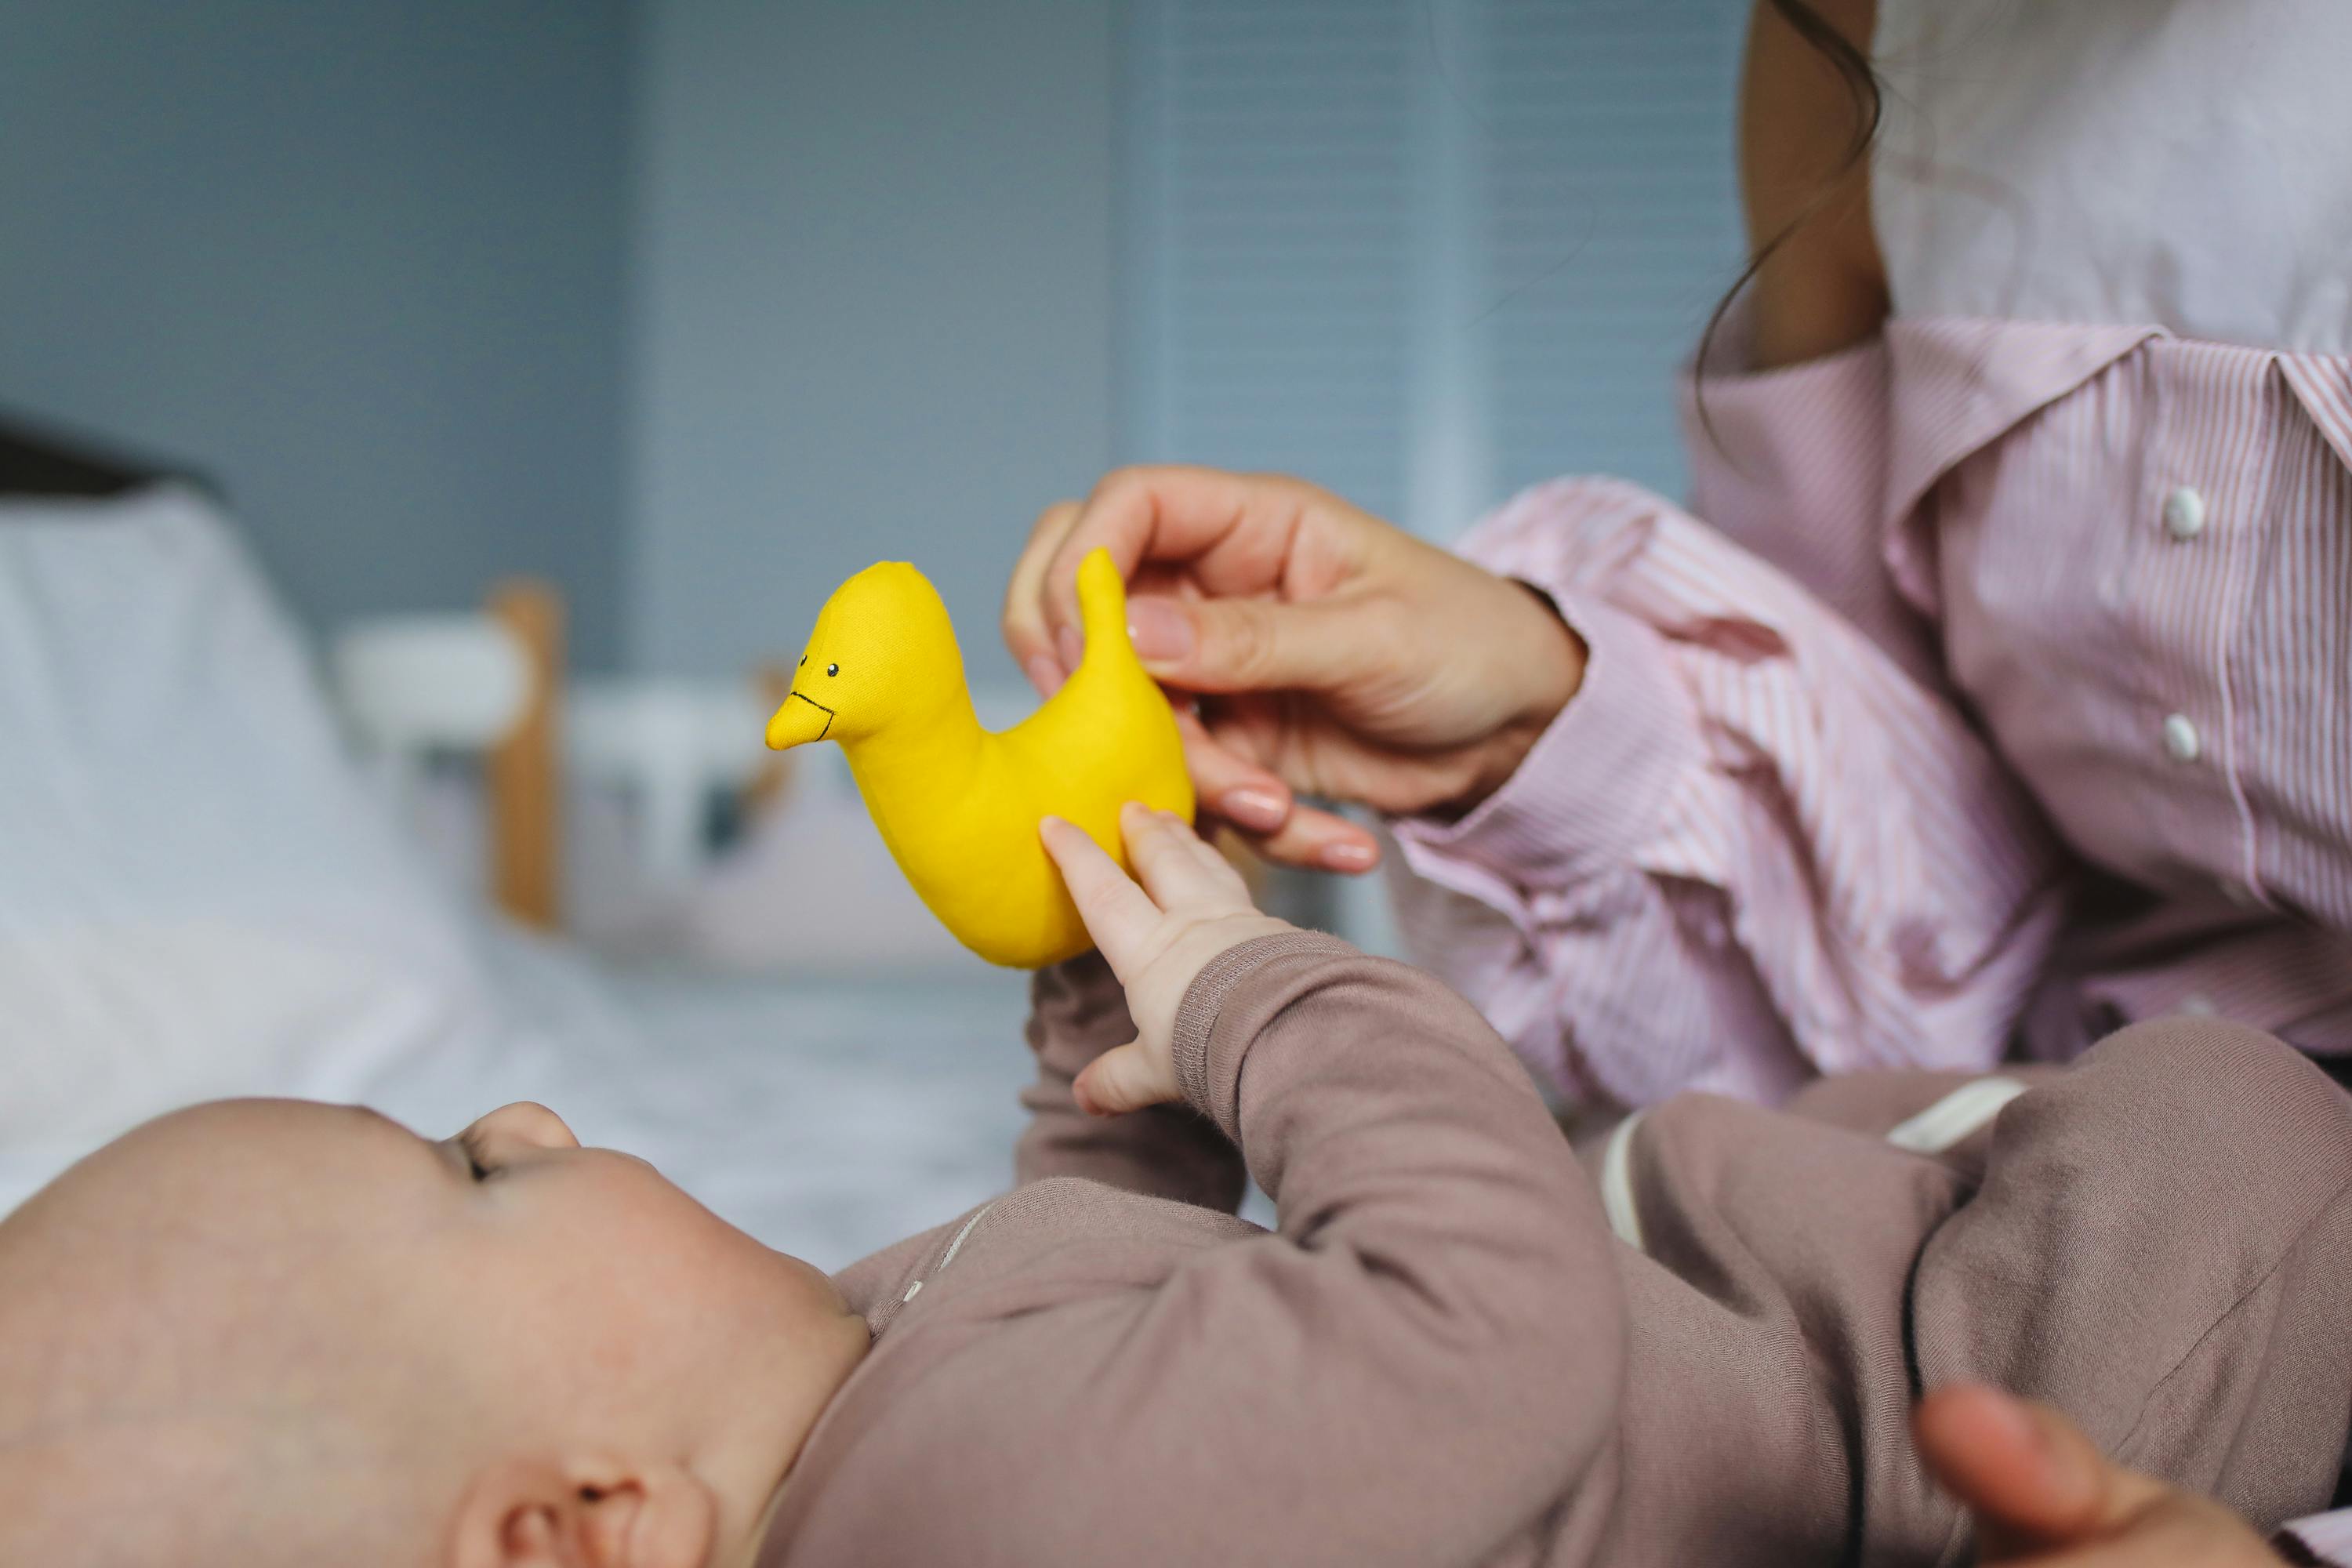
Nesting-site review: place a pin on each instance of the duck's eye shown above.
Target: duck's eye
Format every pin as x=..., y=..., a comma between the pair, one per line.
x=804, y=659
x=832, y=669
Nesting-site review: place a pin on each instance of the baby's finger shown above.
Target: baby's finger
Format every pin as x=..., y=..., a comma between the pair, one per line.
x=1164, y=853
x=1122, y=1079
x=1221, y=869
x=1118, y=914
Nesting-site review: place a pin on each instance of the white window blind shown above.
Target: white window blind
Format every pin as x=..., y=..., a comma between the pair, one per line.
x=1424, y=252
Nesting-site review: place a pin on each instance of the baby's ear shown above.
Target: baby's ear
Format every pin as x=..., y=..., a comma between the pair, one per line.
x=591, y=1511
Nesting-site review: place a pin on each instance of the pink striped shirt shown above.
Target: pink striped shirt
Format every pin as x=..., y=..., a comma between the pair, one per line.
x=2004, y=695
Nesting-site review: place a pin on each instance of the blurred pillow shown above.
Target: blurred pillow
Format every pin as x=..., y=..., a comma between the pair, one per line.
x=199, y=895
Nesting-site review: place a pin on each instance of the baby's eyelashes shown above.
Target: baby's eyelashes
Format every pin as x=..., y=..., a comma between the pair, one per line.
x=469, y=1143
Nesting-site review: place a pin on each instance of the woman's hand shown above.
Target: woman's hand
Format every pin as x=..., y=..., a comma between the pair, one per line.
x=2044, y=1497
x=1334, y=654
x=1157, y=938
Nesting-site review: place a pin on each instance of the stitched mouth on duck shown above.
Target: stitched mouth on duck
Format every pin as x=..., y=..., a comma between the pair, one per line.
x=816, y=704
x=783, y=733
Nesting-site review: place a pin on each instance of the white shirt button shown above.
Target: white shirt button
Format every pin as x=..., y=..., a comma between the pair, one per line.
x=2180, y=742
x=2184, y=513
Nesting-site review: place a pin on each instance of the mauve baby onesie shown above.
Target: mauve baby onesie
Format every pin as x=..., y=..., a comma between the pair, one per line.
x=1449, y=1351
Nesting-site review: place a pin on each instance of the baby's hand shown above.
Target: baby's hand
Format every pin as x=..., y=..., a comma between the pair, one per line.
x=1157, y=938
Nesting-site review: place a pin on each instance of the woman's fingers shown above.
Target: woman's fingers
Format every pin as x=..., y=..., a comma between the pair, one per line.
x=2029, y=1475
x=1026, y=634
x=1229, y=783
x=1264, y=644
x=1262, y=809
x=1316, y=840
x=1236, y=535
x=1158, y=513
x=1044, y=673
x=1118, y=915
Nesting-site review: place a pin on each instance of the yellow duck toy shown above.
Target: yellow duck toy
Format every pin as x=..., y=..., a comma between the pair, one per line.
x=958, y=805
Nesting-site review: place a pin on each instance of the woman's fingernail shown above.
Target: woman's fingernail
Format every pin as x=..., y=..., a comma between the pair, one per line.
x=1161, y=633
x=1260, y=810
x=1346, y=856
x=1043, y=674
x=1073, y=647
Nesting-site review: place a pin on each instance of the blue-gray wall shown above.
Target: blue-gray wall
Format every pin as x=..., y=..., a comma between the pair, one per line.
x=873, y=306
x=362, y=262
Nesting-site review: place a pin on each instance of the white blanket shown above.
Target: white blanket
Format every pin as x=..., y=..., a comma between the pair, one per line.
x=200, y=896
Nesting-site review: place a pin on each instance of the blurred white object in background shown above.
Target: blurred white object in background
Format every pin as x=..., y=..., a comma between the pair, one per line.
x=412, y=682
x=671, y=746
x=420, y=689
x=411, y=686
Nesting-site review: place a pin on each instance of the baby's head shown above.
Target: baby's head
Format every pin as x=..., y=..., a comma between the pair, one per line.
x=264, y=1331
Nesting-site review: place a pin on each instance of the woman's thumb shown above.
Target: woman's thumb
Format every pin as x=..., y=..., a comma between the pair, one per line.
x=1249, y=645
x=1121, y=1080
x=2028, y=1473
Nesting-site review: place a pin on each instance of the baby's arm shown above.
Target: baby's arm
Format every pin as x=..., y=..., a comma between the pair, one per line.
x=1426, y=1353
x=1077, y=1013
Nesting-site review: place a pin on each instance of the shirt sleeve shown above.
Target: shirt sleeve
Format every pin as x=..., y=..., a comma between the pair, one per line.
x=1755, y=847
x=1077, y=1013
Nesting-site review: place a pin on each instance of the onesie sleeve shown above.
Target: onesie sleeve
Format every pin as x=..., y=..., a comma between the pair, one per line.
x=1077, y=1013
x=1407, y=1370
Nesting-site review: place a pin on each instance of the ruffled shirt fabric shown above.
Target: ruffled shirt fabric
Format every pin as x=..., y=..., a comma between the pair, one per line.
x=1929, y=726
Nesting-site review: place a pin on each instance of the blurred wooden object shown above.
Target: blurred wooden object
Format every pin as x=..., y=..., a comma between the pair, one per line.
x=481, y=684
x=523, y=771
x=771, y=783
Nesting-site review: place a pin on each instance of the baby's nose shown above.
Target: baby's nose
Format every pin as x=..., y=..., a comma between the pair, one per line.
x=528, y=1122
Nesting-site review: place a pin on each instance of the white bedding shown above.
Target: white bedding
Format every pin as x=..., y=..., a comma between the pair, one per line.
x=200, y=896
x=826, y=1118
x=830, y=1120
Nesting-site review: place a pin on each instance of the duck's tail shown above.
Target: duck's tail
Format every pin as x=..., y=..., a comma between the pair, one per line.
x=1102, y=608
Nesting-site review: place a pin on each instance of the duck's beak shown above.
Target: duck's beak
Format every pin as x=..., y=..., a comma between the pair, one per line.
x=798, y=722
